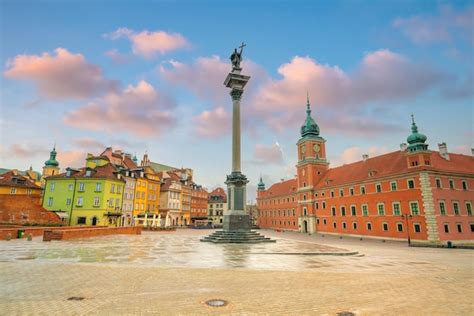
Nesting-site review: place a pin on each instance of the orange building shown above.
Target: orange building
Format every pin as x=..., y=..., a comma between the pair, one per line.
x=413, y=193
x=199, y=197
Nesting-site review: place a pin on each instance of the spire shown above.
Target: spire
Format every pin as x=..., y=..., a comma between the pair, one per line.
x=261, y=185
x=52, y=158
x=416, y=140
x=309, y=128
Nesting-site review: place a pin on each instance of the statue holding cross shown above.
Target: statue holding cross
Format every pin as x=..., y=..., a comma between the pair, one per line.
x=236, y=57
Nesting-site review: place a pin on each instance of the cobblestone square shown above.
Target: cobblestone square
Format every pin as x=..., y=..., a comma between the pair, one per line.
x=172, y=273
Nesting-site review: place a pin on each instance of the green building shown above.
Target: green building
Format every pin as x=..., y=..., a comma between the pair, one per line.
x=87, y=196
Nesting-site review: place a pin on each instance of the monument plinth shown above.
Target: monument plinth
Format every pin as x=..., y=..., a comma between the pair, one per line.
x=236, y=219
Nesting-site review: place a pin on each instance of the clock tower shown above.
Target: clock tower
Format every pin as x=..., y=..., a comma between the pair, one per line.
x=312, y=164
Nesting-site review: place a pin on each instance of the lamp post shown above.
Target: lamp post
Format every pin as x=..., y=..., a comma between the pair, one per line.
x=407, y=217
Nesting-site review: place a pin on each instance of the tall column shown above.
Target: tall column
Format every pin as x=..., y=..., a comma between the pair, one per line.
x=236, y=96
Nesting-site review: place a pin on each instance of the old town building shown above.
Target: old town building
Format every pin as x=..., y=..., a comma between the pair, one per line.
x=199, y=197
x=413, y=193
x=217, y=205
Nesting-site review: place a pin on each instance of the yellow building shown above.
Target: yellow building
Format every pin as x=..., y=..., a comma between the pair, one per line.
x=13, y=183
x=147, y=195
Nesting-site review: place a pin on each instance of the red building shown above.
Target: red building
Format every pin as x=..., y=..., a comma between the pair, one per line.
x=415, y=193
x=199, y=197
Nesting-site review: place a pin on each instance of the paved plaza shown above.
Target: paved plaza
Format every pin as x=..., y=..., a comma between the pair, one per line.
x=173, y=273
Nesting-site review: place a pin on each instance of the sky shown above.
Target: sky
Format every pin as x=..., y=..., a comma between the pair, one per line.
x=147, y=76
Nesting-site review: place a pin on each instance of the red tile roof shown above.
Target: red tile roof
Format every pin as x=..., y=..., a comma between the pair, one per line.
x=218, y=193
x=107, y=171
x=11, y=179
x=282, y=188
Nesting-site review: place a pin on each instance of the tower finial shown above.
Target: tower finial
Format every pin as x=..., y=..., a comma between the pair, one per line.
x=308, y=106
x=414, y=128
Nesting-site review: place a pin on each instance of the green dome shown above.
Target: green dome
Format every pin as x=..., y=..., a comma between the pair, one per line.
x=52, y=162
x=416, y=140
x=261, y=185
x=309, y=127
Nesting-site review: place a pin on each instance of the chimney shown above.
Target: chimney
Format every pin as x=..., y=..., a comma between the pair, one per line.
x=443, y=150
x=403, y=146
x=282, y=179
x=365, y=157
x=472, y=152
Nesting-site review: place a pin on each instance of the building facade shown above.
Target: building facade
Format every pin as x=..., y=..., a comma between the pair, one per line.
x=199, y=197
x=412, y=193
x=217, y=206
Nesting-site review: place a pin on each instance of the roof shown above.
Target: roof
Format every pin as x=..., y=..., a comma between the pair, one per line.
x=16, y=180
x=392, y=164
x=160, y=167
x=282, y=188
x=107, y=171
x=217, y=193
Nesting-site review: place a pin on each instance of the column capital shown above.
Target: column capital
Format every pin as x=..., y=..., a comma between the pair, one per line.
x=236, y=94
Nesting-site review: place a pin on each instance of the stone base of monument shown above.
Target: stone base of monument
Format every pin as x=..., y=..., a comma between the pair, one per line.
x=236, y=237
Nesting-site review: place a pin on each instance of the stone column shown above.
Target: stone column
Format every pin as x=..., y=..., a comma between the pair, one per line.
x=236, y=95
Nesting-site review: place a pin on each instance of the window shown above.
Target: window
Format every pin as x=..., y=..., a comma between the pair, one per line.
x=451, y=183
x=344, y=226
x=396, y=208
x=13, y=191
x=332, y=193
x=52, y=187
x=354, y=225
x=81, y=187
x=112, y=188
x=393, y=186
x=341, y=192
x=304, y=197
x=378, y=187
x=456, y=208
x=459, y=227
x=68, y=201
x=343, y=211
x=70, y=187
x=385, y=227
x=365, y=210
x=81, y=221
x=417, y=228
x=464, y=185
x=324, y=221
x=414, y=208
x=88, y=173
x=411, y=184
x=362, y=190
x=111, y=203
x=442, y=208
x=98, y=187
x=334, y=225
x=381, y=209
x=96, y=201
x=438, y=183
x=399, y=227
x=472, y=228
x=324, y=205
x=469, y=208
x=316, y=205
x=50, y=201
x=446, y=228
x=333, y=211
x=353, y=210
x=305, y=211
x=80, y=201
x=117, y=202
x=351, y=191
x=369, y=226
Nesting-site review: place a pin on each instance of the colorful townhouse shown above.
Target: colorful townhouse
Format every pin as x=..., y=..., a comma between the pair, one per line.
x=170, y=199
x=88, y=196
x=199, y=197
x=412, y=194
x=217, y=206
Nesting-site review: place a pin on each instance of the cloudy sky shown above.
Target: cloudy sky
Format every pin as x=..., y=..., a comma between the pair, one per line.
x=148, y=76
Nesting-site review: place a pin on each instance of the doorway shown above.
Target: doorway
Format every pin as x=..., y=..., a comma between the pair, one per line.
x=305, y=226
x=94, y=221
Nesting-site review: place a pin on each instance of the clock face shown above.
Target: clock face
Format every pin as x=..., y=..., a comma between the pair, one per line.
x=303, y=149
x=316, y=148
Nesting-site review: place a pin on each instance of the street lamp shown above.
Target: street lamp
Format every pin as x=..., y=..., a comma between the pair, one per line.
x=407, y=217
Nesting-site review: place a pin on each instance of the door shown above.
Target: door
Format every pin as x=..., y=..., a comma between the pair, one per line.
x=305, y=226
x=94, y=221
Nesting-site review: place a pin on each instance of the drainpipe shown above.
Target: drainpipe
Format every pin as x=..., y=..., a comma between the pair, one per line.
x=72, y=202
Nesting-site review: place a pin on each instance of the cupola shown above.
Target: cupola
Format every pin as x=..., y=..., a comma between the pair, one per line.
x=309, y=128
x=416, y=141
x=261, y=185
x=52, y=162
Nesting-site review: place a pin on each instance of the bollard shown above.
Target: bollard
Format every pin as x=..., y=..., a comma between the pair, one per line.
x=8, y=237
x=29, y=237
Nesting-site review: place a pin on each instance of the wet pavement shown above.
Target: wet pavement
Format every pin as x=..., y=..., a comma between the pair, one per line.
x=179, y=249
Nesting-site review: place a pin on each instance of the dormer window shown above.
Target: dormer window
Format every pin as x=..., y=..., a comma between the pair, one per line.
x=68, y=173
x=88, y=173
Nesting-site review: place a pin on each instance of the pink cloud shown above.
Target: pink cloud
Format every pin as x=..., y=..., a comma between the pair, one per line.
x=71, y=158
x=353, y=154
x=268, y=154
x=26, y=151
x=444, y=27
x=117, y=57
x=214, y=123
x=63, y=75
x=148, y=44
x=139, y=110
